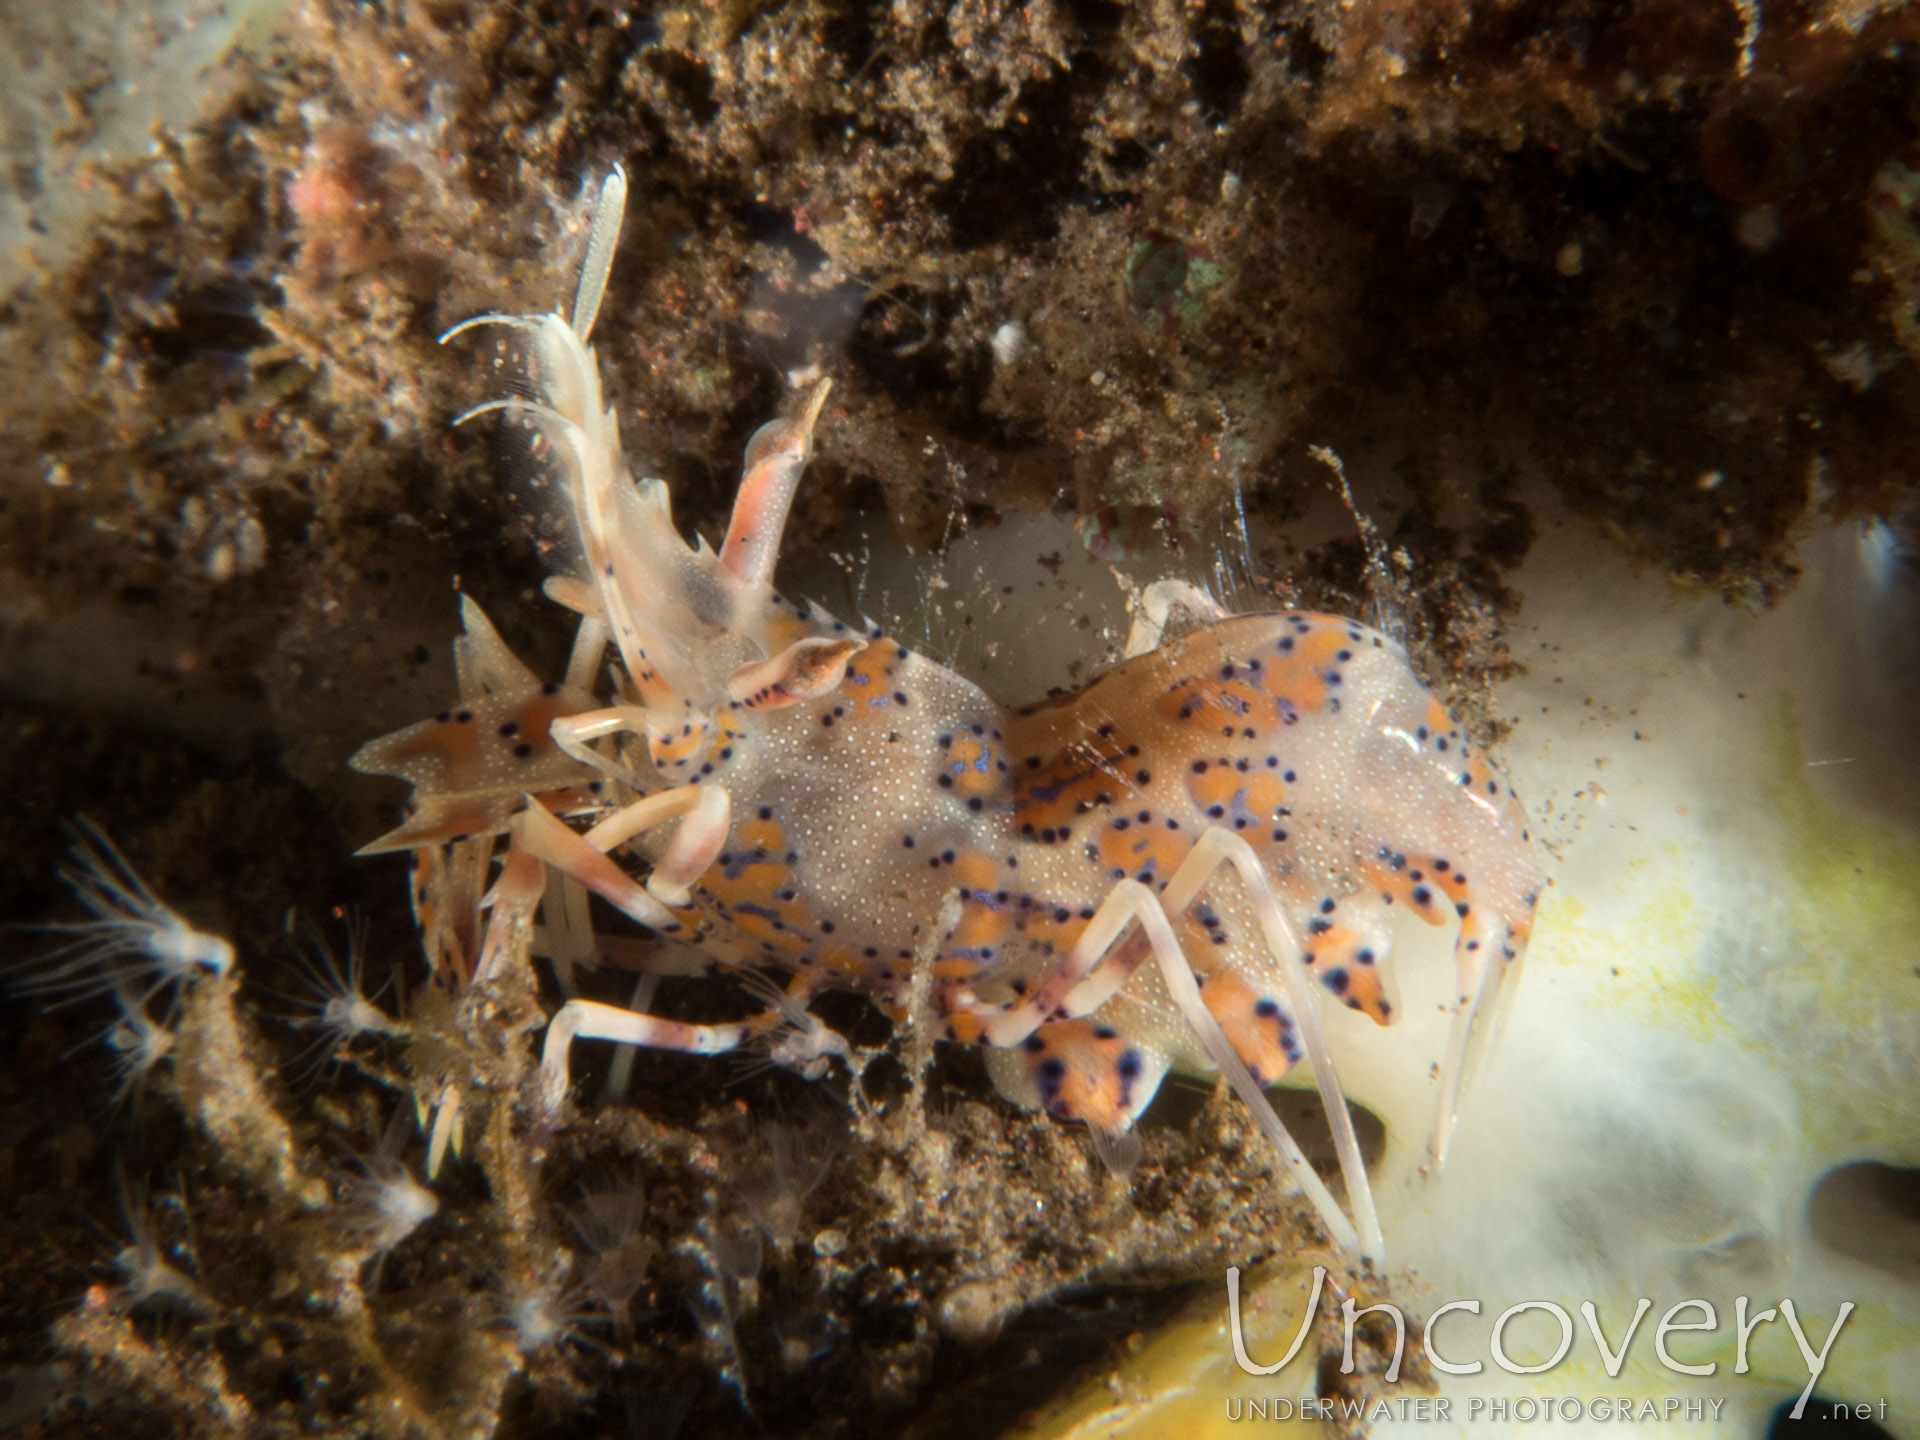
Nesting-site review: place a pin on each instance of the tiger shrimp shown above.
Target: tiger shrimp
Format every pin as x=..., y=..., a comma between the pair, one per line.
x=810, y=801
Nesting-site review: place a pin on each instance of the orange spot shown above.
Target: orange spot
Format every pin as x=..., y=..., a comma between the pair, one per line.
x=1088, y=1086
x=841, y=961
x=980, y=925
x=1143, y=847
x=1077, y=777
x=759, y=927
x=975, y=872
x=973, y=765
x=1253, y=796
x=765, y=878
x=1338, y=949
x=1208, y=700
x=1256, y=1039
x=1424, y=896
x=764, y=835
x=672, y=745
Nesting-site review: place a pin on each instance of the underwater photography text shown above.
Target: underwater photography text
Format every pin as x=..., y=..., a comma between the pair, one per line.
x=1684, y=1316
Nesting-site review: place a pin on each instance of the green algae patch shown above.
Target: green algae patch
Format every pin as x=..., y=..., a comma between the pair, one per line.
x=1850, y=1000
x=1645, y=965
x=1671, y=990
x=1812, y=959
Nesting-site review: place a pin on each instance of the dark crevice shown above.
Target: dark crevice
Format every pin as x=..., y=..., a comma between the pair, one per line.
x=1871, y=1212
x=1010, y=185
x=1219, y=72
x=688, y=81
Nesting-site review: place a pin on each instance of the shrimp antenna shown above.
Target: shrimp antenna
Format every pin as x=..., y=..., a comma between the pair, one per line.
x=607, y=216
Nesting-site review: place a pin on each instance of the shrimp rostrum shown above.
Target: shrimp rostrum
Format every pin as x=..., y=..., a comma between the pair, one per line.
x=1171, y=868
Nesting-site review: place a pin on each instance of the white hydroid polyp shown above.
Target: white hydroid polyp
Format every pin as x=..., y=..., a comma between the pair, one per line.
x=135, y=943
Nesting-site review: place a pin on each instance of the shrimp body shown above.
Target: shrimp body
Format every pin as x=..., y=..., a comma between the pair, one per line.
x=816, y=801
x=1308, y=734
